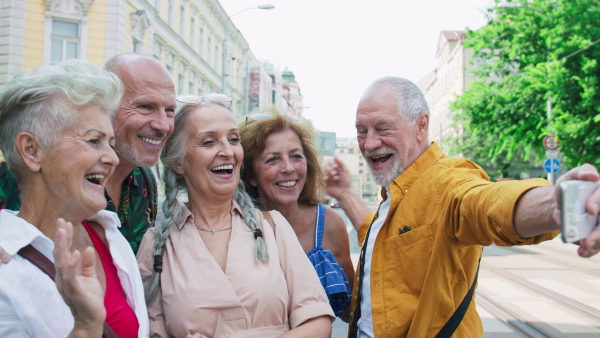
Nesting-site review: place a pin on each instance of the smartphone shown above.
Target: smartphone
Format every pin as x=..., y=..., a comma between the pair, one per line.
x=576, y=223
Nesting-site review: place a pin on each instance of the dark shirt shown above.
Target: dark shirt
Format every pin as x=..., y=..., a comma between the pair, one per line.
x=134, y=207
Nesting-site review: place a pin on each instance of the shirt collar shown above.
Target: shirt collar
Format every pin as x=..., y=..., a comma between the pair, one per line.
x=429, y=157
x=17, y=233
x=186, y=214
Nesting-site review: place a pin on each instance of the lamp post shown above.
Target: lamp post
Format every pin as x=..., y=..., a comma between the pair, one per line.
x=224, y=65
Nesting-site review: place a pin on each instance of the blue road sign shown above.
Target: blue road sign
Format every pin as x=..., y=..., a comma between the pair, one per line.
x=551, y=166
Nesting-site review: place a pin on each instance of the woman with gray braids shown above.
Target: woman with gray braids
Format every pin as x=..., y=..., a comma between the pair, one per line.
x=214, y=266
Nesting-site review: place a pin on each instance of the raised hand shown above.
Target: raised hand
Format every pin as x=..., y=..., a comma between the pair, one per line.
x=337, y=178
x=4, y=257
x=77, y=282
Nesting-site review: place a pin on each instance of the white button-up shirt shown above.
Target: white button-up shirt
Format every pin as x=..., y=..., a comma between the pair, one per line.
x=30, y=304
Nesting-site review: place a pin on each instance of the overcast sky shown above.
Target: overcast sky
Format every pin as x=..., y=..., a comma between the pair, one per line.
x=336, y=48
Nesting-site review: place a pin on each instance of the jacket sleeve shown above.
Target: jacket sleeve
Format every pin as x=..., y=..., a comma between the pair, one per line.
x=145, y=260
x=480, y=211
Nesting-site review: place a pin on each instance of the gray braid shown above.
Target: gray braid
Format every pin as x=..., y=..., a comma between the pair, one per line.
x=171, y=210
x=245, y=201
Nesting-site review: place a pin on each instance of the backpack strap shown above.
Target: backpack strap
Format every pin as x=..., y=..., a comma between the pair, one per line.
x=458, y=315
x=150, y=181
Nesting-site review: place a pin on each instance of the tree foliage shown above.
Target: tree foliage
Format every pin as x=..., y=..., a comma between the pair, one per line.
x=531, y=50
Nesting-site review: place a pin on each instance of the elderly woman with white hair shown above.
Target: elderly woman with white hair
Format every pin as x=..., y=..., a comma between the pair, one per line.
x=56, y=136
x=214, y=267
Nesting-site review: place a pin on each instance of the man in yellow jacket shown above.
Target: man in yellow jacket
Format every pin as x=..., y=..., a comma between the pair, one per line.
x=421, y=250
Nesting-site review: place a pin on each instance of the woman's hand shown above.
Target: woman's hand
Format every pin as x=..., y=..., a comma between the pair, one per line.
x=78, y=284
x=4, y=257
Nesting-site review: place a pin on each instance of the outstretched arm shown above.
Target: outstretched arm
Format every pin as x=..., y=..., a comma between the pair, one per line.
x=78, y=284
x=538, y=210
x=339, y=185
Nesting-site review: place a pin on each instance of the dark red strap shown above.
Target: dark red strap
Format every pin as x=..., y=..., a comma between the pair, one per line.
x=107, y=332
x=38, y=259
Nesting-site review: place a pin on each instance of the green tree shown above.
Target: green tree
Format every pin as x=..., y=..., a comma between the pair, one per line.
x=529, y=51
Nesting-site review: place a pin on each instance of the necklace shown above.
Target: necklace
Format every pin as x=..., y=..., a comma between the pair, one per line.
x=212, y=231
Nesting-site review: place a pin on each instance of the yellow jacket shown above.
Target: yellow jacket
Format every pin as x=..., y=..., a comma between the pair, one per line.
x=420, y=277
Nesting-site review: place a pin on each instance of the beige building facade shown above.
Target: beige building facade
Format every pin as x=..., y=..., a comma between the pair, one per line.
x=185, y=35
x=441, y=87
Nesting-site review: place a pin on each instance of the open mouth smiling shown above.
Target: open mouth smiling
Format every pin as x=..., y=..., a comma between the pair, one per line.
x=223, y=169
x=95, y=178
x=151, y=141
x=287, y=184
x=381, y=158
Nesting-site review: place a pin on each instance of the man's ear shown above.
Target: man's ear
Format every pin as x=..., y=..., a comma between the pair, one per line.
x=178, y=168
x=423, y=126
x=31, y=151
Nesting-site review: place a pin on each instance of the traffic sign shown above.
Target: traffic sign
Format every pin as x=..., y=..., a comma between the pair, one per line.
x=551, y=166
x=551, y=142
x=552, y=153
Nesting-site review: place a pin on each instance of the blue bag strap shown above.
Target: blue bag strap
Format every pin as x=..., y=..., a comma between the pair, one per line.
x=320, y=225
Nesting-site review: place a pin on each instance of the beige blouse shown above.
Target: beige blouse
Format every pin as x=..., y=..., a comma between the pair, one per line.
x=249, y=299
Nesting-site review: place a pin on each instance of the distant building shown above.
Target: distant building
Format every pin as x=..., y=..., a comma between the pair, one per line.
x=291, y=93
x=441, y=87
x=185, y=35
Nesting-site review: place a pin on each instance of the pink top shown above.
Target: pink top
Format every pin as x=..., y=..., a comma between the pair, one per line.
x=249, y=299
x=119, y=315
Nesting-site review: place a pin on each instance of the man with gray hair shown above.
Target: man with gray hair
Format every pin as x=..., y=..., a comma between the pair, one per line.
x=142, y=124
x=420, y=251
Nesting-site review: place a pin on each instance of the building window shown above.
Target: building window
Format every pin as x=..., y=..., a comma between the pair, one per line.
x=200, y=87
x=216, y=62
x=182, y=22
x=351, y=151
x=209, y=49
x=157, y=5
x=65, y=41
x=193, y=33
x=136, y=46
x=180, y=82
x=170, y=18
x=201, y=42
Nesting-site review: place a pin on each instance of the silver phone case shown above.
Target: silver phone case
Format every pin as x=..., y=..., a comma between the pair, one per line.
x=576, y=223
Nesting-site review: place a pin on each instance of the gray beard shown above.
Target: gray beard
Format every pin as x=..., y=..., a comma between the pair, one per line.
x=385, y=177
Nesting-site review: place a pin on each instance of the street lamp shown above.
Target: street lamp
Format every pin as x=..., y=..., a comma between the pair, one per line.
x=224, y=65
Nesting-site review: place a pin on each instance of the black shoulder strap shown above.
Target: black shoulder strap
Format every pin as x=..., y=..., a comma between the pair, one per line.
x=150, y=181
x=454, y=321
